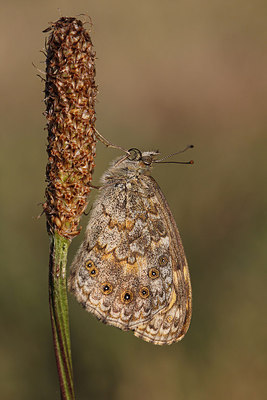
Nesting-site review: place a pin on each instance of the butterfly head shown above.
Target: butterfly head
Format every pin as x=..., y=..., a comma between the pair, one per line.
x=133, y=163
x=145, y=158
x=137, y=161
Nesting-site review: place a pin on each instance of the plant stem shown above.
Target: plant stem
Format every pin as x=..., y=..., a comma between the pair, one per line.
x=59, y=313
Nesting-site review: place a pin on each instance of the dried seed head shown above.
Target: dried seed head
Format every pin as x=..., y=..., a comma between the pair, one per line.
x=70, y=94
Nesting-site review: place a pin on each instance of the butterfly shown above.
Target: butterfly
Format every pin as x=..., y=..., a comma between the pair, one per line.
x=131, y=271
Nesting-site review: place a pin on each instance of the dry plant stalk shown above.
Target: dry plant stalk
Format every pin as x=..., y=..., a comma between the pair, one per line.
x=70, y=94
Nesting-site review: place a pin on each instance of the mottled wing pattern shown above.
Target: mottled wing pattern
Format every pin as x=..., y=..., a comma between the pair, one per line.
x=131, y=271
x=171, y=324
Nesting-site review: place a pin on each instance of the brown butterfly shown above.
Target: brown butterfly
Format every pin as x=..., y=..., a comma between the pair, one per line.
x=131, y=270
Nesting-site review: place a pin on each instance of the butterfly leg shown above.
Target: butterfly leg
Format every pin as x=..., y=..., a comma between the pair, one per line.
x=107, y=143
x=94, y=187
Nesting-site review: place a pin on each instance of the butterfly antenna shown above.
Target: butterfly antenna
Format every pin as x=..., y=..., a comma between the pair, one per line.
x=175, y=162
x=174, y=154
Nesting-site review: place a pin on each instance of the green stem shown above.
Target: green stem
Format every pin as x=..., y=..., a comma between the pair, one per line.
x=59, y=314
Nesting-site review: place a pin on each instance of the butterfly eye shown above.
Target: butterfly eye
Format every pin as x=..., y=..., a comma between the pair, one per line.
x=144, y=292
x=147, y=160
x=90, y=266
x=107, y=288
x=127, y=296
x=153, y=273
x=163, y=260
x=135, y=154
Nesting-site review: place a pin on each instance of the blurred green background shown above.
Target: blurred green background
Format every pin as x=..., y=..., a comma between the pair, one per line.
x=169, y=74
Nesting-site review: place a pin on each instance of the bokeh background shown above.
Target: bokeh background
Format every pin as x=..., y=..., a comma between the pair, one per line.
x=169, y=74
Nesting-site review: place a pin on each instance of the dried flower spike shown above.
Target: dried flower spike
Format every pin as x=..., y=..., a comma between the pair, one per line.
x=70, y=94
